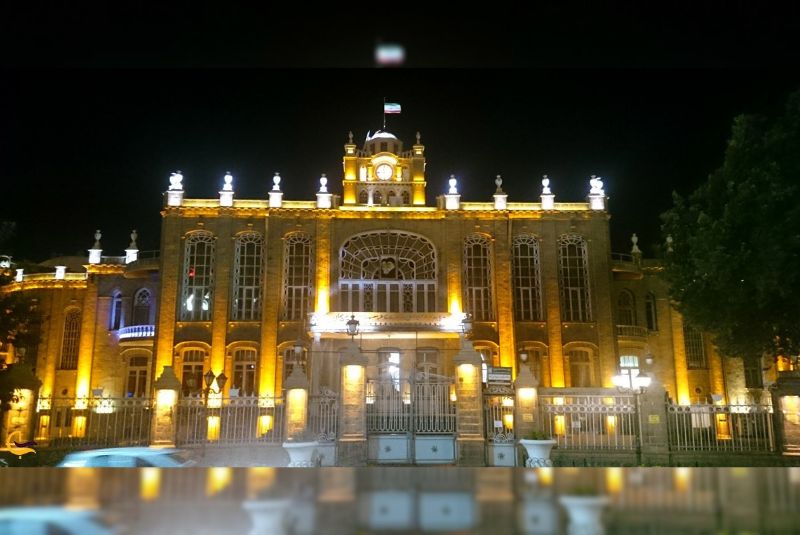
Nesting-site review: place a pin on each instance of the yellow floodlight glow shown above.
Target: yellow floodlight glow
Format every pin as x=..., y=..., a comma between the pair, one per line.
x=614, y=480
x=166, y=398
x=264, y=424
x=149, y=483
x=219, y=477
x=213, y=428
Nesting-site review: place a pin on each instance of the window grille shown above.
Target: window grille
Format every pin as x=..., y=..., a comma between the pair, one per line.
x=574, y=278
x=298, y=262
x=527, y=279
x=478, y=298
x=695, y=352
x=198, y=277
x=247, y=269
x=387, y=271
x=70, y=340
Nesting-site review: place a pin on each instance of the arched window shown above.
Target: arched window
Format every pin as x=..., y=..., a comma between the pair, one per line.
x=695, y=350
x=478, y=297
x=244, y=371
x=198, y=277
x=363, y=196
x=70, y=339
x=136, y=385
x=573, y=272
x=298, y=262
x=377, y=197
x=535, y=360
x=387, y=271
x=650, y=312
x=141, y=307
x=405, y=197
x=580, y=368
x=527, y=279
x=192, y=371
x=115, y=315
x=247, y=266
x=626, y=308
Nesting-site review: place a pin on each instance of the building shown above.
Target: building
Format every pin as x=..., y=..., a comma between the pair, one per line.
x=253, y=288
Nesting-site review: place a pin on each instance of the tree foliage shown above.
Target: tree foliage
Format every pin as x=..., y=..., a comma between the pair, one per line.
x=734, y=267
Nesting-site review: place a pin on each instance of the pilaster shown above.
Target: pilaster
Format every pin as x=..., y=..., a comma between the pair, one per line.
x=548, y=248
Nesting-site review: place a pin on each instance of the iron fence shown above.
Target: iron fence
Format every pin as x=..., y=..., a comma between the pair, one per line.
x=323, y=416
x=724, y=428
x=98, y=422
x=226, y=421
x=607, y=421
x=434, y=412
x=498, y=413
x=402, y=406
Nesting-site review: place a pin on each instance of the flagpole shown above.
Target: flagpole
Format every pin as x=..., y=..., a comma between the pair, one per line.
x=384, y=114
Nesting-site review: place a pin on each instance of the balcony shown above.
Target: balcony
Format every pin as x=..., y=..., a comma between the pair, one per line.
x=626, y=266
x=632, y=331
x=136, y=334
x=147, y=262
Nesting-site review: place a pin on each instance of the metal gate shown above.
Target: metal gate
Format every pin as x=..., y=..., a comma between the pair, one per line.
x=411, y=420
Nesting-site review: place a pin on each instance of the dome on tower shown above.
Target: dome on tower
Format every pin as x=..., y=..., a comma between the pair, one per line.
x=382, y=141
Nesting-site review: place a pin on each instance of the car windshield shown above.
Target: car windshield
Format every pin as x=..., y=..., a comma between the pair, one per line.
x=180, y=457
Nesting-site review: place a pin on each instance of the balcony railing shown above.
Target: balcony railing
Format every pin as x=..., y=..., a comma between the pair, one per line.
x=633, y=331
x=137, y=331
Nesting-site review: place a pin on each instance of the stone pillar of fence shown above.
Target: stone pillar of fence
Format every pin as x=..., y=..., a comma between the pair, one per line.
x=653, y=436
x=166, y=389
x=525, y=402
x=296, y=403
x=469, y=407
x=352, y=446
x=785, y=394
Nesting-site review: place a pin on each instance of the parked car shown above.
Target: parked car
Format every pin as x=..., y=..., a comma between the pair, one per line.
x=134, y=457
x=52, y=520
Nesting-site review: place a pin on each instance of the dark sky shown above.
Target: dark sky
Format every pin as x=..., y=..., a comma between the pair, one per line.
x=94, y=121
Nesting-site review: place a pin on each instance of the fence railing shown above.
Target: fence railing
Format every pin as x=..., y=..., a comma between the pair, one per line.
x=594, y=421
x=323, y=416
x=721, y=428
x=237, y=420
x=498, y=414
x=400, y=406
x=103, y=422
x=137, y=331
x=632, y=330
x=433, y=410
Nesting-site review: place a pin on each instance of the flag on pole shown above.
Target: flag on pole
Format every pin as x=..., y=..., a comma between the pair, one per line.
x=389, y=107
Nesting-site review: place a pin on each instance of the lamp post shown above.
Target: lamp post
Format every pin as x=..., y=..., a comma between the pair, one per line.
x=466, y=325
x=353, y=326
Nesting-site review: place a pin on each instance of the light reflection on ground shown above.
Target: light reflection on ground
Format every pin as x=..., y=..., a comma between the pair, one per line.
x=391, y=499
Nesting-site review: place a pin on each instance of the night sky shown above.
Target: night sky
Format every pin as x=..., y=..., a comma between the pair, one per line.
x=95, y=122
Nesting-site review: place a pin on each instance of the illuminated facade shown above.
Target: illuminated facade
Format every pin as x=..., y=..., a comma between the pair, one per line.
x=238, y=283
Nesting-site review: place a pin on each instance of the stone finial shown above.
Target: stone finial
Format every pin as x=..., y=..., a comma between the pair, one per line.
x=134, y=235
x=499, y=183
x=453, y=190
x=323, y=183
x=228, y=178
x=418, y=137
x=669, y=243
x=349, y=137
x=176, y=181
x=97, y=236
x=276, y=181
x=546, y=185
x=596, y=184
x=635, y=240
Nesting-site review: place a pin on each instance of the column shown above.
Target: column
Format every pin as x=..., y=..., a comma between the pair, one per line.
x=223, y=265
x=169, y=292
x=470, y=442
x=270, y=308
x=166, y=389
x=681, y=366
x=504, y=298
x=83, y=380
x=552, y=299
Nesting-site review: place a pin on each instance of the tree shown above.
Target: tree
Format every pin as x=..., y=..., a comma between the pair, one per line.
x=734, y=262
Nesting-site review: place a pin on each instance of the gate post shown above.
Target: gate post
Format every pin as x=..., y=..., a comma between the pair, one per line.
x=525, y=386
x=785, y=394
x=653, y=435
x=164, y=429
x=469, y=407
x=352, y=448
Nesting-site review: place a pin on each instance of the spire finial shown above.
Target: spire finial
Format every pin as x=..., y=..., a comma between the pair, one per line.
x=97, y=236
x=276, y=182
x=228, y=178
x=134, y=235
x=596, y=184
x=499, y=183
x=635, y=240
x=350, y=137
x=418, y=137
x=452, y=182
x=323, y=183
x=175, y=181
x=546, y=185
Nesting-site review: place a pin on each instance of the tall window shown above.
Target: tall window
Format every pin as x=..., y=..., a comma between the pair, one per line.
x=580, y=368
x=247, y=267
x=244, y=371
x=695, y=350
x=198, y=277
x=650, y=312
x=193, y=360
x=138, y=373
x=629, y=367
x=115, y=316
x=141, y=307
x=527, y=279
x=427, y=364
x=71, y=339
x=753, y=376
x=389, y=366
x=626, y=308
x=387, y=271
x=298, y=262
x=478, y=298
x=573, y=274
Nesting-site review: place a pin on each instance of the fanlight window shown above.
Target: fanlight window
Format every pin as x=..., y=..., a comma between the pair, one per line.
x=247, y=266
x=478, y=296
x=198, y=277
x=298, y=269
x=141, y=307
x=389, y=271
x=527, y=279
x=573, y=271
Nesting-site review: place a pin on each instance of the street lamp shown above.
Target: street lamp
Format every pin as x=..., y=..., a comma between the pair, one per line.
x=466, y=324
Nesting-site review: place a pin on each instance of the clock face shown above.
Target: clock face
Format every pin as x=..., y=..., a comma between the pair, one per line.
x=384, y=171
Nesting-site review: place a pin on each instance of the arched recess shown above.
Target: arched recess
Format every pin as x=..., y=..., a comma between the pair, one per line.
x=537, y=361
x=582, y=365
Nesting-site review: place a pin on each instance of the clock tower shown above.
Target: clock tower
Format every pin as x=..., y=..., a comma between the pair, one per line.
x=382, y=173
